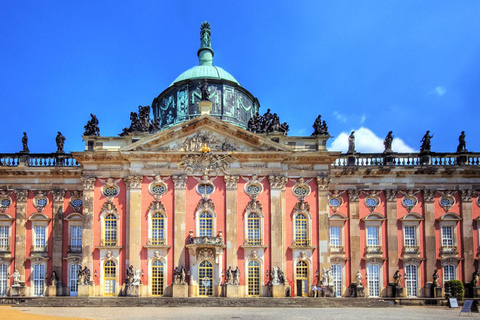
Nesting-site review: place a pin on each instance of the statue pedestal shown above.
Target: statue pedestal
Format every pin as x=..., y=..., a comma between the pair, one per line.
x=83, y=290
x=329, y=291
x=205, y=107
x=231, y=291
x=360, y=291
x=131, y=291
x=180, y=290
x=52, y=291
x=351, y=160
x=398, y=292
x=476, y=292
x=17, y=291
x=278, y=290
x=437, y=292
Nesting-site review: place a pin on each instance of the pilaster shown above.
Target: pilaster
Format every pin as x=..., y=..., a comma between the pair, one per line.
x=277, y=220
x=179, y=220
x=20, y=231
x=354, y=225
x=231, y=219
x=134, y=220
x=58, y=197
x=430, y=247
x=87, y=230
x=392, y=236
x=323, y=223
x=467, y=233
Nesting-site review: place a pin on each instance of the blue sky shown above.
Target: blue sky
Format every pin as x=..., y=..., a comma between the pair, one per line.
x=369, y=66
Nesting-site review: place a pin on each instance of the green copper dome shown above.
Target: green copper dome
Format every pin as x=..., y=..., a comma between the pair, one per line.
x=205, y=68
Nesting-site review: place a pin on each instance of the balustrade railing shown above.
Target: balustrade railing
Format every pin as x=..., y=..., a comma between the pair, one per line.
x=156, y=241
x=253, y=242
x=38, y=160
x=108, y=242
x=336, y=249
x=448, y=249
x=301, y=242
x=374, y=249
x=408, y=249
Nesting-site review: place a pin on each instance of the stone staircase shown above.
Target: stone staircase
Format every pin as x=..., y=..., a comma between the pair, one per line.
x=199, y=302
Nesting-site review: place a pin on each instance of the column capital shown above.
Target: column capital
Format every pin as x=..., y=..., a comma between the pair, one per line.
x=467, y=194
x=391, y=195
x=277, y=181
x=22, y=195
x=180, y=181
x=134, y=182
x=353, y=194
x=323, y=182
x=429, y=195
x=231, y=181
x=88, y=183
x=58, y=195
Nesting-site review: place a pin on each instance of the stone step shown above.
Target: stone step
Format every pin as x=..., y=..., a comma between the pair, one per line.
x=200, y=302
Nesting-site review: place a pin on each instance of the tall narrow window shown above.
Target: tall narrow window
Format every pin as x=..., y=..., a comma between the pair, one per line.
x=448, y=273
x=109, y=278
x=373, y=273
x=158, y=225
x=4, y=243
x=253, y=278
x=75, y=239
x=335, y=238
x=301, y=230
x=410, y=236
x=411, y=280
x=206, y=224
x=157, y=278
x=253, y=229
x=372, y=236
x=337, y=279
x=205, y=277
x=3, y=279
x=40, y=242
x=301, y=273
x=110, y=230
x=447, y=236
x=74, y=269
x=38, y=279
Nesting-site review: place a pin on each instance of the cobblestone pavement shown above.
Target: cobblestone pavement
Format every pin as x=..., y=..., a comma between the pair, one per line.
x=248, y=313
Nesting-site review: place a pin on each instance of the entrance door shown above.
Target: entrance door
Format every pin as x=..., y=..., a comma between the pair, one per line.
x=38, y=280
x=157, y=278
x=302, y=276
x=74, y=269
x=109, y=278
x=3, y=280
x=253, y=278
x=373, y=280
x=205, y=278
x=337, y=279
x=411, y=280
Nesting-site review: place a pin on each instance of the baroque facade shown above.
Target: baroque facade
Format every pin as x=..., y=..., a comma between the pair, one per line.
x=211, y=199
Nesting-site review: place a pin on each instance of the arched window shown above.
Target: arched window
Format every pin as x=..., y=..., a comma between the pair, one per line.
x=110, y=238
x=205, y=277
x=253, y=278
x=109, y=272
x=253, y=229
x=301, y=276
x=157, y=278
x=158, y=228
x=301, y=230
x=206, y=224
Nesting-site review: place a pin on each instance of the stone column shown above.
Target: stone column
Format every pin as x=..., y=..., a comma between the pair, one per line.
x=277, y=221
x=179, y=220
x=430, y=247
x=323, y=223
x=467, y=234
x=391, y=225
x=20, y=231
x=231, y=220
x=355, y=250
x=57, y=259
x=133, y=243
x=87, y=230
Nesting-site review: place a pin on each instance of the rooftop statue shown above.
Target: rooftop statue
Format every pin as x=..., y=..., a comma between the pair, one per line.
x=319, y=127
x=462, y=146
x=140, y=122
x=91, y=128
x=425, y=147
x=60, y=141
x=25, y=143
x=388, y=143
x=351, y=142
x=204, y=90
x=205, y=40
x=267, y=123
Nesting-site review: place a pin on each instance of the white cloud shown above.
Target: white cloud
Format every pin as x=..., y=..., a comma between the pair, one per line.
x=439, y=91
x=339, y=116
x=362, y=119
x=367, y=141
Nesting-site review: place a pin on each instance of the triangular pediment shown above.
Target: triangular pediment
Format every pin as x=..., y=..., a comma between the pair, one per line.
x=205, y=131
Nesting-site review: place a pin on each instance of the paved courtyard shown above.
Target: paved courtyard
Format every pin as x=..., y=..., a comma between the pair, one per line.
x=230, y=313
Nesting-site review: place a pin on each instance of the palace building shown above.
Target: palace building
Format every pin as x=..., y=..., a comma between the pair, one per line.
x=209, y=198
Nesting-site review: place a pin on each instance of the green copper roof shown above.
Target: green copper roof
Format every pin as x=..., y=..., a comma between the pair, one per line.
x=205, y=68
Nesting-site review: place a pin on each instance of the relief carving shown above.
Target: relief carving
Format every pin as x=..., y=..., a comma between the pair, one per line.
x=231, y=181
x=323, y=182
x=391, y=195
x=254, y=205
x=22, y=195
x=156, y=206
x=88, y=183
x=205, y=162
x=58, y=195
x=353, y=195
x=429, y=195
x=205, y=204
x=134, y=182
x=467, y=194
x=180, y=181
x=277, y=182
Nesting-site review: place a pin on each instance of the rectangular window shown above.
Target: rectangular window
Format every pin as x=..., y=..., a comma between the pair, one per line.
x=372, y=236
x=75, y=238
x=373, y=272
x=4, y=233
x=448, y=273
x=335, y=240
x=337, y=279
x=40, y=242
x=410, y=236
x=38, y=279
x=411, y=280
x=447, y=236
x=3, y=279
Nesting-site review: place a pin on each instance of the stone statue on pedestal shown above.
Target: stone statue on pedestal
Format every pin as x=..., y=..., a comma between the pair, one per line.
x=16, y=278
x=475, y=278
x=462, y=145
x=388, y=143
x=435, y=279
x=25, y=143
x=426, y=145
x=359, y=278
x=60, y=141
x=397, y=277
x=351, y=142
